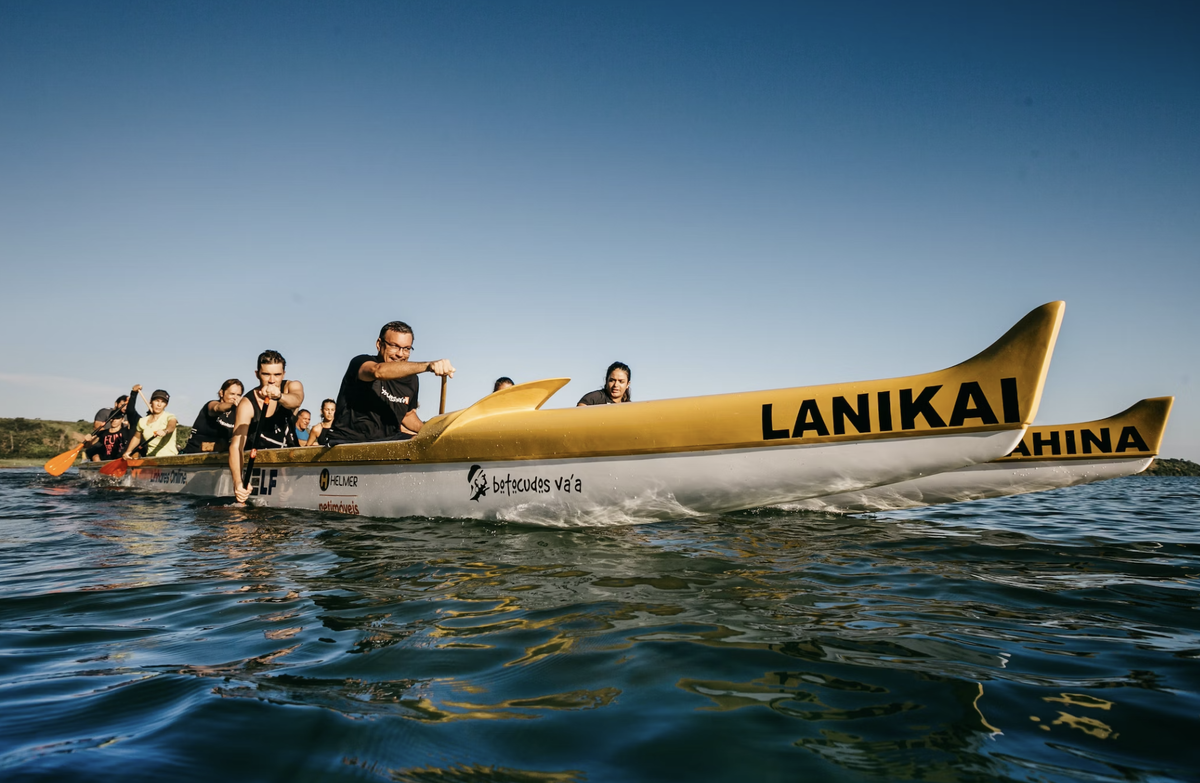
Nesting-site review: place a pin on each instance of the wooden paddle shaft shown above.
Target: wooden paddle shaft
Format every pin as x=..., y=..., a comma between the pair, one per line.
x=442, y=407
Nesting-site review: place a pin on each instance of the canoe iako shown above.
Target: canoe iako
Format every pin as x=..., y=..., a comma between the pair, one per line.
x=1047, y=457
x=505, y=458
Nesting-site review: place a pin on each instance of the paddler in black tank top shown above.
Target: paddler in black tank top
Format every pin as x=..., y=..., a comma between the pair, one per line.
x=213, y=428
x=276, y=399
x=320, y=432
x=379, y=393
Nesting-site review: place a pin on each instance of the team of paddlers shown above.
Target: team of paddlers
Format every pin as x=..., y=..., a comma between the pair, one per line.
x=377, y=401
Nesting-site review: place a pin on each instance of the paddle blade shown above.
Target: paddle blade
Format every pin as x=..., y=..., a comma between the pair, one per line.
x=117, y=467
x=56, y=466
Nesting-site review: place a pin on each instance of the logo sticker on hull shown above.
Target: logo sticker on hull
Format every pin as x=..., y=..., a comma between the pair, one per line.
x=478, y=481
x=324, y=479
x=479, y=484
x=263, y=481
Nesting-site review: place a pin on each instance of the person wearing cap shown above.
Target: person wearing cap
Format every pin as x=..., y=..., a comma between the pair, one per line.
x=156, y=429
x=110, y=443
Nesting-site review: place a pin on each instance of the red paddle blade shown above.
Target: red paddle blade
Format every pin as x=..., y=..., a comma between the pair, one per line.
x=58, y=465
x=117, y=467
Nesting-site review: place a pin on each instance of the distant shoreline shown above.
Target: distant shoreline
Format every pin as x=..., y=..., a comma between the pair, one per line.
x=28, y=443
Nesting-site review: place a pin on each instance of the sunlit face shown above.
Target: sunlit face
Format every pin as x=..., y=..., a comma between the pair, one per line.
x=302, y=420
x=233, y=394
x=327, y=410
x=395, y=346
x=269, y=374
x=617, y=384
x=158, y=405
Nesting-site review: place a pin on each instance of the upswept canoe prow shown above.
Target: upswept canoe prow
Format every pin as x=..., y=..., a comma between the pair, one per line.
x=1136, y=431
x=1048, y=457
x=999, y=389
x=1029, y=344
x=529, y=396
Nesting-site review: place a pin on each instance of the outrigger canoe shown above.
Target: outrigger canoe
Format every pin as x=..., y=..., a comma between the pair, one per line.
x=504, y=458
x=1050, y=457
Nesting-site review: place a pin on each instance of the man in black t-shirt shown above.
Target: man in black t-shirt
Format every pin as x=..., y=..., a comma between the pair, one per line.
x=103, y=418
x=379, y=393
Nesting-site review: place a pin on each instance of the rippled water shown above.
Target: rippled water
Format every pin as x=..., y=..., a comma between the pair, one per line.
x=1045, y=637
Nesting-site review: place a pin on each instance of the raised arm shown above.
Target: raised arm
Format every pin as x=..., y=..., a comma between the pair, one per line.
x=131, y=414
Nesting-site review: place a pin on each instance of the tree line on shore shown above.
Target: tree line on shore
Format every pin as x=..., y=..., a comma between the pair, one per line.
x=31, y=439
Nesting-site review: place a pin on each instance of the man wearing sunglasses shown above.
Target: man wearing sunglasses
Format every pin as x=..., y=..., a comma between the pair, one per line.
x=378, y=394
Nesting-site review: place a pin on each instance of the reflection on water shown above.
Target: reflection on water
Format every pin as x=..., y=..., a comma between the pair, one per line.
x=1050, y=637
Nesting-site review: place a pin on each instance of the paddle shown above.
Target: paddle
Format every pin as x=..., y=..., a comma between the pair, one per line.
x=259, y=416
x=61, y=463
x=442, y=407
x=118, y=467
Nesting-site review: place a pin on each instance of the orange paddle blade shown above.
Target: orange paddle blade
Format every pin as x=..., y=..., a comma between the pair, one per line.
x=56, y=466
x=117, y=467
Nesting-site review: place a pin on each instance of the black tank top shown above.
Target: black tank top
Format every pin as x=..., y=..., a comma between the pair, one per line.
x=277, y=431
x=208, y=428
x=323, y=435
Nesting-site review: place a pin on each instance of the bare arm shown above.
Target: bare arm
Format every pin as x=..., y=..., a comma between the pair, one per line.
x=216, y=407
x=293, y=395
x=241, y=428
x=412, y=421
x=313, y=433
x=384, y=371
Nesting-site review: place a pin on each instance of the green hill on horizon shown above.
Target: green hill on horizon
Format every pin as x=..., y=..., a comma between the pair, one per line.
x=33, y=439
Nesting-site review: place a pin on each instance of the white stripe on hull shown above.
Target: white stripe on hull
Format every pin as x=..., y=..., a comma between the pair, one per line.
x=614, y=490
x=994, y=480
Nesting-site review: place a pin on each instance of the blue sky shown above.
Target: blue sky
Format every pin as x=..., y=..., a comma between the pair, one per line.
x=725, y=196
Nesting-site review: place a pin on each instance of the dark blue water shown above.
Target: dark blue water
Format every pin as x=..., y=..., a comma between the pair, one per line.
x=1048, y=637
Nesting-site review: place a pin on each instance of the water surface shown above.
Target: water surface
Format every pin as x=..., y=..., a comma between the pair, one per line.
x=1038, y=638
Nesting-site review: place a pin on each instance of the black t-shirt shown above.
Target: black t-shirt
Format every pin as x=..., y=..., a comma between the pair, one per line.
x=112, y=444
x=598, y=397
x=371, y=410
x=209, y=428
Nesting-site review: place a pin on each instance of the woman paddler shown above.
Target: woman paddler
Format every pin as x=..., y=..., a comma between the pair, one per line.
x=616, y=387
x=156, y=428
x=319, y=434
x=213, y=428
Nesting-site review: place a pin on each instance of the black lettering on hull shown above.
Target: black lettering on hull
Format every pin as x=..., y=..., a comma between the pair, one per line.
x=768, y=425
x=1131, y=439
x=809, y=418
x=910, y=409
x=1087, y=439
x=860, y=418
x=1040, y=442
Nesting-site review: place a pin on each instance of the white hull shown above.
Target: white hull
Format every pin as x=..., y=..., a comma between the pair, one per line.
x=593, y=491
x=975, y=483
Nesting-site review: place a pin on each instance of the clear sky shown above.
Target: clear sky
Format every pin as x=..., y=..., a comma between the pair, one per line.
x=725, y=196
